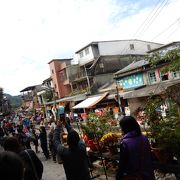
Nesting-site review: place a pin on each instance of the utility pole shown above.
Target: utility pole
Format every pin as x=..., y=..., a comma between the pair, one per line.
x=119, y=100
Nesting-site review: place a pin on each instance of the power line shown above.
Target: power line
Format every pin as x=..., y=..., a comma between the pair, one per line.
x=153, y=17
x=142, y=24
x=158, y=8
x=162, y=32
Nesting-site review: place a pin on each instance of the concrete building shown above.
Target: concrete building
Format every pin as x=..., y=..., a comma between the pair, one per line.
x=98, y=61
x=139, y=80
x=60, y=77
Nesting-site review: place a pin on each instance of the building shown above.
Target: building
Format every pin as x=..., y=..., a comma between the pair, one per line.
x=30, y=98
x=140, y=80
x=61, y=72
x=98, y=61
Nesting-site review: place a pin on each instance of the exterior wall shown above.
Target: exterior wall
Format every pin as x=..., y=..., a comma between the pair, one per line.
x=164, y=49
x=86, y=57
x=72, y=72
x=100, y=80
x=123, y=47
x=158, y=76
x=112, y=64
x=56, y=67
x=136, y=102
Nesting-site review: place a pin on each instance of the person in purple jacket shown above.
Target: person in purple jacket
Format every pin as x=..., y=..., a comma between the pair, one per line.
x=135, y=153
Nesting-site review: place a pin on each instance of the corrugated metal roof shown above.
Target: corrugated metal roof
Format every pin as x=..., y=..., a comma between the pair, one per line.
x=154, y=89
x=133, y=65
x=78, y=97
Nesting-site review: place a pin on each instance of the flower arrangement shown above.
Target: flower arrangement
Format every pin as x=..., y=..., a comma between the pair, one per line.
x=110, y=141
x=110, y=138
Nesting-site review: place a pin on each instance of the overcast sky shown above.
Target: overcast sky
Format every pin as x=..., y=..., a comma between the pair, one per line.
x=33, y=32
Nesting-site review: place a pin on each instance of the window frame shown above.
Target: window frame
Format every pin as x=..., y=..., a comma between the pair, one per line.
x=131, y=46
x=86, y=51
x=81, y=54
x=150, y=77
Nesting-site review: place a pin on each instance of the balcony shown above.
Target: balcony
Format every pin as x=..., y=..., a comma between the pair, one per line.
x=27, y=98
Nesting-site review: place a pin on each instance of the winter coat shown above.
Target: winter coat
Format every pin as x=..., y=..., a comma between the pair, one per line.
x=135, y=156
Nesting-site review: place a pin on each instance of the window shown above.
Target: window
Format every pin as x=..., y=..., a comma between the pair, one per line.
x=149, y=47
x=87, y=50
x=52, y=71
x=152, y=77
x=164, y=77
x=131, y=46
x=176, y=74
x=81, y=54
x=101, y=65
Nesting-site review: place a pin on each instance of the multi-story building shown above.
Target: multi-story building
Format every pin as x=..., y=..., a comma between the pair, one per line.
x=29, y=97
x=61, y=73
x=140, y=80
x=98, y=61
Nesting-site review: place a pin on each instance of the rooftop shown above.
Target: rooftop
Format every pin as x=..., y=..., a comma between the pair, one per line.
x=132, y=66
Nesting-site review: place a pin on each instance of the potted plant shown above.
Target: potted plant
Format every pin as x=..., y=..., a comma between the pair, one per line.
x=110, y=140
x=95, y=128
x=164, y=130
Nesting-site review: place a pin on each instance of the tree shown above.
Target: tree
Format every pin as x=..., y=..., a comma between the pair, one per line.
x=171, y=60
x=165, y=130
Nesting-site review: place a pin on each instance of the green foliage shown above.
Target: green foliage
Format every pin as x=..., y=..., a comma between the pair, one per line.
x=48, y=95
x=171, y=59
x=15, y=101
x=97, y=125
x=165, y=131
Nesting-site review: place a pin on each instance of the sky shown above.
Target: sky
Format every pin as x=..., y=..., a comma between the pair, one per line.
x=33, y=32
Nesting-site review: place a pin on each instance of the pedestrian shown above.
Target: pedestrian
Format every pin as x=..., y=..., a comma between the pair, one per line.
x=32, y=164
x=135, y=153
x=22, y=138
x=43, y=141
x=11, y=166
x=51, y=144
x=74, y=157
x=35, y=140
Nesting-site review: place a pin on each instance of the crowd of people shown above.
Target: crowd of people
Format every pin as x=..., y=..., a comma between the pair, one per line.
x=20, y=162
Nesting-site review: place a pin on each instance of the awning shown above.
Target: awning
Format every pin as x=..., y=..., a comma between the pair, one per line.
x=90, y=102
x=150, y=89
x=79, y=97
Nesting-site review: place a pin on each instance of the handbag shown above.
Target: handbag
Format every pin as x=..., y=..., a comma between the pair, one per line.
x=33, y=166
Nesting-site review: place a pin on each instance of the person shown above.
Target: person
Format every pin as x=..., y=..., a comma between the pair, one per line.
x=22, y=137
x=11, y=166
x=74, y=157
x=35, y=139
x=43, y=140
x=33, y=165
x=51, y=144
x=135, y=153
